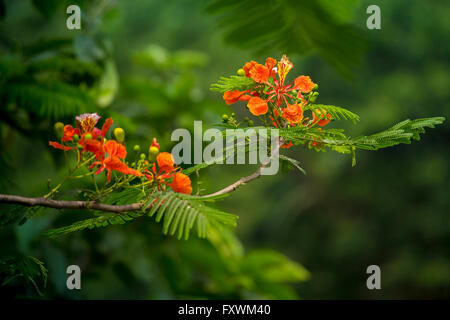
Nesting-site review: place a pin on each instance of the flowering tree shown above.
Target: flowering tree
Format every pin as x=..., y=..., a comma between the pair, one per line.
x=151, y=184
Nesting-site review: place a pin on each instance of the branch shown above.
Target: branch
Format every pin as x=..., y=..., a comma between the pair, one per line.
x=65, y=204
x=251, y=177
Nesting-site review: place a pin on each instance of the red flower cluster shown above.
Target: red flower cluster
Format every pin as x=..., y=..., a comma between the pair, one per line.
x=284, y=103
x=110, y=155
x=91, y=139
x=163, y=169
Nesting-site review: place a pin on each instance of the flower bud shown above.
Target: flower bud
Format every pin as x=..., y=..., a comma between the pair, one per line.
x=59, y=129
x=119, y=134
x=246, y=119
x=76, y=137
x=88, y=136
x=313, y=97
x=250, y=123
x=233, y=115
x=316, y=87
x=152, y=153
x=142, y=156
x=241, y=72
x=225, y=118
x=136, y=148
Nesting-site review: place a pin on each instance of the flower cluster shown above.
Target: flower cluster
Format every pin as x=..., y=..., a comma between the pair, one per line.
x=284, y=103
x=109, y=155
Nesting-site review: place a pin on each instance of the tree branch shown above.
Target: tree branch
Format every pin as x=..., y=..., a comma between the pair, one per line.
x=65, y=204
x=251, y=177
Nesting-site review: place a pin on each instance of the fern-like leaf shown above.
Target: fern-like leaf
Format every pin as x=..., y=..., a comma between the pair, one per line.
x=337, y=113
x=233, y=83
x=97, y=222
x=180, y=213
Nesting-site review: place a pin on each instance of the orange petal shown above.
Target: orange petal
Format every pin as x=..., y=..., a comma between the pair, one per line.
x=108, y=123
x=60, y=146
x=257, y=106
x=113, y=148
x=181, y=183
x=304, y=84
x=165, y=161
x=293, y=113
x=231, y=97
x=260, y=73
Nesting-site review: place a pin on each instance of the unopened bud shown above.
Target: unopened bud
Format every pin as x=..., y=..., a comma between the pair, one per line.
x=59, y=129
x=152, y=153
x=241, y=72
x=88, y=136
x=136, y=148
x=313, y=97
x=250, y=123
x=142, y=156
x=119, y=134
x=76, y=137
x=225, y=118
x=316, y=87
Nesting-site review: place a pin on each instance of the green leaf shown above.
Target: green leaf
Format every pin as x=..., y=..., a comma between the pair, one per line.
x=293, y=27
x=233, y=83
x=337, y=113
x=181, y=213
x=294, y=162
x=97, y=222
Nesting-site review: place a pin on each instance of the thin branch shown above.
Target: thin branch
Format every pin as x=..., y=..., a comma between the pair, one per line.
x=64, y=204
x=251, y=177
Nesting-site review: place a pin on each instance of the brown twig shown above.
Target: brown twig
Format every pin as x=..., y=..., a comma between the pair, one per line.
x=64, y=204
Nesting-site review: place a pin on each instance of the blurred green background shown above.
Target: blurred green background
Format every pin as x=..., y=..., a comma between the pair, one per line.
x=149, y=65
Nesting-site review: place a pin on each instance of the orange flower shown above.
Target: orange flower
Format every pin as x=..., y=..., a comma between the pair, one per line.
x=259, y=73
x=88, y=121
x=115, y=151
x=181, y=183
x=287, y=145
x=270, y=63
x=69, y=132
x=94, y=146
x=304, y=84
x=231, y=97
x=248, y=66
x=293, y=113
x=323, y=119
x=165, y=162
x=257, y=106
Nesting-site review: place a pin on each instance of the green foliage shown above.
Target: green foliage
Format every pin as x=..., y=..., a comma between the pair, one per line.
x=30, y=268
x=292, y=162
x=336, y=112
x=273, y=267
x=181, y=212
x=233, y=83
x=12, y=214
x=294, y=27
x=103, y=220
x=402, y=132
x=54, y=99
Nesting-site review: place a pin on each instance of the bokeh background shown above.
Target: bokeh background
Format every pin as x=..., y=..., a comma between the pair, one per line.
x=149, y=65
